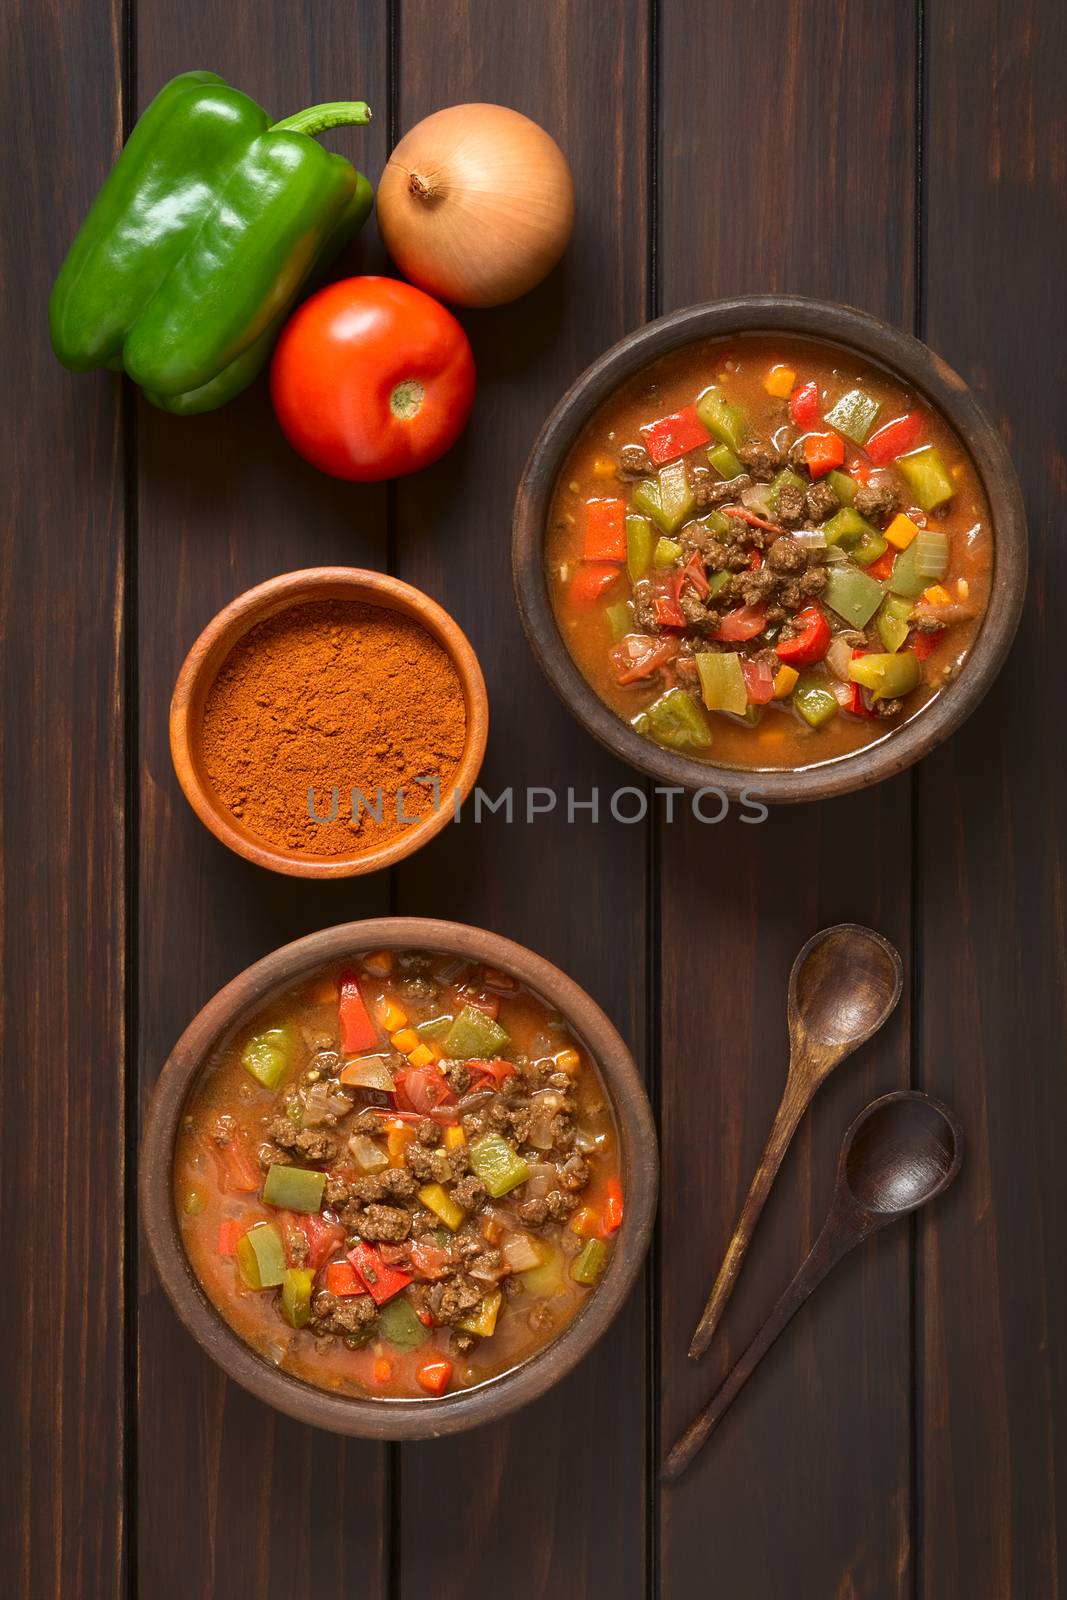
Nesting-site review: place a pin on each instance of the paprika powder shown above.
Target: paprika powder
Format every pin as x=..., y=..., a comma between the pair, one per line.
x=333, y=727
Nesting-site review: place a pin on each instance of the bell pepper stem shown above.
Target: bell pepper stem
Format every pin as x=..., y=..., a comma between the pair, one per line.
x=332, y=114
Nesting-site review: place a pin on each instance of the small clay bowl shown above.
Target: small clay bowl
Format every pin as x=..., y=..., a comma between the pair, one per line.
x=267, y=600
x=857, y=334
x=233, y=1008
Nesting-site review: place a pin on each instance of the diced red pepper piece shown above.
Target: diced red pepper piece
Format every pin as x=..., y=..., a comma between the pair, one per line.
x=591, y=579
x=744, y=622
x=343, y=1280
x=896, y=438
x=605, y=531
x=823, y=452
x=230, y=1231
x=611, y=1218
x=357, y=1030
x=641, y=655
x=238, y=1173
x=806, y=648
x=674, y=436
x=804, y=404
x=693, y=572
x=922, y=645
x=382, y=1281
x=883, y=567
x=498, y=1070
x=433, y=1374
x=854, y=700
x=668, y=612
x=755, y=561
x=322, y=1238
x=759, y=680
x=489, y=1003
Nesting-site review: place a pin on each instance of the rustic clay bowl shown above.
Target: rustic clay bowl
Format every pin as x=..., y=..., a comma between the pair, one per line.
x=858, y=333
x=267, y=600
x=231, y=1009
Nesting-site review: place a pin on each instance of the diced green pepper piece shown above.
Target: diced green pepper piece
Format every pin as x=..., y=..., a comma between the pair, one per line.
x=260, y=1257
x=434, y=1028
x=727, y=422
x=666, y=552
x=922, y=563
x=854, y=415
x=815, y=702
x=726, y=464
x=868, y=548
x=294, y=1188
x=668, y=499
x=398, y=1322
x=547, y=1279
x=194, y=1203
x=786, y=479
x=716, y=523
x=590, y=1262
x=266, y=1056
x=887, y=676
x=618, y=619
x=498, y=1164
x=852, y=594
x=717, y=581
x=845, y=527
x=638, y=546
x=845, y=488
x=893, y=624
x=296, y=1295
x=927, y=476
x=722, y=683
x=482, y=1320
x=473, y=1036
x=677, y=722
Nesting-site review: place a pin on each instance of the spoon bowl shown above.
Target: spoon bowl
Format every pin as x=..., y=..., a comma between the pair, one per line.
x=844, y=984
x=900, y=1153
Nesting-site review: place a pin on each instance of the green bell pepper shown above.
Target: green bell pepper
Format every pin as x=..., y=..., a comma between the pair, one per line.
x=722, y=683
x=618, y=619
x=887, y=677
x=399, y=1324
x=207, y=228
x=726, y=464
x=927, y=477
x=675, y=721
x=638, y=546
x=846, y=526
x=296, y=1295
x=498, y=1164
x=893, y=623
x=815, y=702
x=435, y=1028
x=266, y=1055
x=668, y=498
x=718, y=524
x=845, y=488
x=666, y=552
x=294, y=1188
x=852, y=594
x=854, y=415
x=727, y=422
x=925, y=561
x=868, y=547
x=474, y=1035
x=260, y=1257
x=786, y=479
x=590, y=1262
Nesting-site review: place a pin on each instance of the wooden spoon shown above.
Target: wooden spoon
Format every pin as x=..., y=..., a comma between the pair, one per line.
x=844, y=985
x=899, y=1153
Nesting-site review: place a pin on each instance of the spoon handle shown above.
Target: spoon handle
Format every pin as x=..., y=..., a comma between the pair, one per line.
x=841, y=1232
x=794, y=1103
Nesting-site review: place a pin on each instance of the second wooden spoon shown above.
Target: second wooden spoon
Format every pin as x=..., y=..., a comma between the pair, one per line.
x=844, y=985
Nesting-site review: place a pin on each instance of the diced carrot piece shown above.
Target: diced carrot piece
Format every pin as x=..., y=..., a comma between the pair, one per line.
x=567, y=1061
x=937, y=595
x=404, y=1040
x=383, y=1370
x=585, y=1222
x=229, y=1233
x=392, y=1017
x=591, y=580
x=785, y=681
x=380, y=963
x=605, y=531
x=421, y=1056
x=612, y=1207
x=454, y=1136
x=433, y=1375
x=397, y=1140
x=603, y=467
x=324, y=992
x=901, y=531
x=779, y=382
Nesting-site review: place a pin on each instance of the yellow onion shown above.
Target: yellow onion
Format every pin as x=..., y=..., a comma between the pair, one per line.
x=476, y=204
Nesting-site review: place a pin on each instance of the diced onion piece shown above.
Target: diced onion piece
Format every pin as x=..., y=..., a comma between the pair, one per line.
x=757, y=497
x=839, y=657
x=521, y=1252
x=368, y=1072
x=810, y=538
x=366, y=1153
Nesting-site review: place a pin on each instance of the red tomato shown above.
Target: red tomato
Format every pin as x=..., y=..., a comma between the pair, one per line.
x=422, y=1089
x=372, y=379
x=744, y=622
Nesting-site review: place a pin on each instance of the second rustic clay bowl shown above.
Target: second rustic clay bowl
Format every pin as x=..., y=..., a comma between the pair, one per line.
x=267, y=600
x=233, y=1008
x=856, y=332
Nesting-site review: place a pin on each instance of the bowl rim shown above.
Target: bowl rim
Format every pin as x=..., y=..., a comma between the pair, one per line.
x=859, y=333
x=396, y=1419
x=257, y=604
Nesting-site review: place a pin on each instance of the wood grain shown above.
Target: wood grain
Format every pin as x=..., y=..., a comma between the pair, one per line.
x=62, y=1524
x=992, y=822
x=548, y=1484
x=230, y=1497
x=805, y=1489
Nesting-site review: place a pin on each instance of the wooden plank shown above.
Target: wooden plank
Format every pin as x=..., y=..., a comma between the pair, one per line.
x=556, y=1497
x=805, y=1489
x=231, y=1497
x=61, y=861
x=992, y=820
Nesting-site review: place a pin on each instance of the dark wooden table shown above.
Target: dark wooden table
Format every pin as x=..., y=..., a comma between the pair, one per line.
x=902, y=1440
